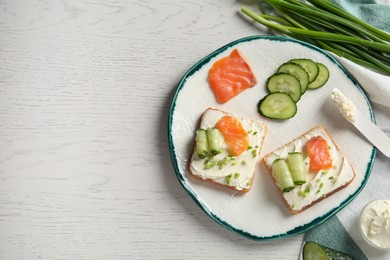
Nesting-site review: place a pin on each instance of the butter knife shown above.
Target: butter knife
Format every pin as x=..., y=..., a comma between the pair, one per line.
x=363, y=123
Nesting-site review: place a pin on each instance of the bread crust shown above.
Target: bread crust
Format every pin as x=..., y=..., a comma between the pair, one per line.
x=218, y=183
x=269, y=170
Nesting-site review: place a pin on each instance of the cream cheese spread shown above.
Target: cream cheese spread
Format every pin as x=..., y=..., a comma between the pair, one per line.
x=318, y=184
x=375, y=223
x=346, y=107
x=234, y=171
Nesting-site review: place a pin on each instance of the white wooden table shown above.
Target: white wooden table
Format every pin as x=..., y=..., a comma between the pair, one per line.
x=85, y=91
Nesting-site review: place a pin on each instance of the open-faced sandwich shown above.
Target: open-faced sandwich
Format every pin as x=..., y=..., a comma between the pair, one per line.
x=226, y=149
x=308, y=169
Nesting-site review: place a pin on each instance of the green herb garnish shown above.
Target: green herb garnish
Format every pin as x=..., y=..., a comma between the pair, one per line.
x=228, y=178
x=328, y=26
x=209, y=164
x=254, y=153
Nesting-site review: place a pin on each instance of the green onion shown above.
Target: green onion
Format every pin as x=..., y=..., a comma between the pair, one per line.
x=228, y=178
x=327, y=5
x=328, y=26
x=209, y=164
x=254, y=153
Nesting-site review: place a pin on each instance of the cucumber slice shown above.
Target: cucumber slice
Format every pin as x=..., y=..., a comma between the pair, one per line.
x=315, y=251
x=297, y=167
x=214, y=138
x=322, y=77
x=201, y=145
x=277, y=105
x=297, y=71
x=282, y=175
x=287, y=83
x=334, y=254
x=309, y=66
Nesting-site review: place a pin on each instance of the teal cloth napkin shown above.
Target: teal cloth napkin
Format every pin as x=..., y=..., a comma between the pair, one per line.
x=332, y=234
x=376, y=13
x=341, y=231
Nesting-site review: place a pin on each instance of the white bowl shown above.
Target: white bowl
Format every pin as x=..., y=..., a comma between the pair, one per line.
x=374, y=223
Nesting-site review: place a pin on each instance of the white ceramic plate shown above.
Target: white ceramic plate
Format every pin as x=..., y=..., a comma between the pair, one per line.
x=261, y=214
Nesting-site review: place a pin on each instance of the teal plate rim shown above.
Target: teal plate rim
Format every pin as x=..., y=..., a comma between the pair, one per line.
x=300, y=229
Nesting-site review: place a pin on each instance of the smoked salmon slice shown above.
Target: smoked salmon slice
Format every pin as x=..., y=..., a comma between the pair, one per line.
x=229, y=76
x=234, y=133
x=318, y=151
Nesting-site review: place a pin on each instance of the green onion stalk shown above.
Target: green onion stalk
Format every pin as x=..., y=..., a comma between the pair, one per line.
x=326, y=25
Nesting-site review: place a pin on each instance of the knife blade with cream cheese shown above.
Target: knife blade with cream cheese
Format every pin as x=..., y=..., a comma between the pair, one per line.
x=349, y=111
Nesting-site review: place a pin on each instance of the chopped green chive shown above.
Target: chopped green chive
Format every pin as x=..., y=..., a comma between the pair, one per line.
x=244, y=162
x=236, y=175
x=249, y=147
x=254, y=153
x=250, y=131
x=209, y=164
x=293, y=205
x=222, y=163
x=255, y=133
x=228, y=178
x=321, y=185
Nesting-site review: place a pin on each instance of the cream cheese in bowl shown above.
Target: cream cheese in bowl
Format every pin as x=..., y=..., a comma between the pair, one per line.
x=375, y=223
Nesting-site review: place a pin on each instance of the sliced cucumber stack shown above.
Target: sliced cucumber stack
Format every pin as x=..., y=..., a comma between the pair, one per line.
x=292, y=78
x=322, y=77
x=309, y=66
x=283, y=82
x=297, y=71
x=278, y=105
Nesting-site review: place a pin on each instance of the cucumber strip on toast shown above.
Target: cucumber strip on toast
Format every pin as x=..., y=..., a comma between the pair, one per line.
x=201, y=143
x=297, y=167
x=214, y=141
x=282, y=175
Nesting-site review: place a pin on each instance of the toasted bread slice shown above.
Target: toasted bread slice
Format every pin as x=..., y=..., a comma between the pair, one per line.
x=235, y=172
x=319, y=184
